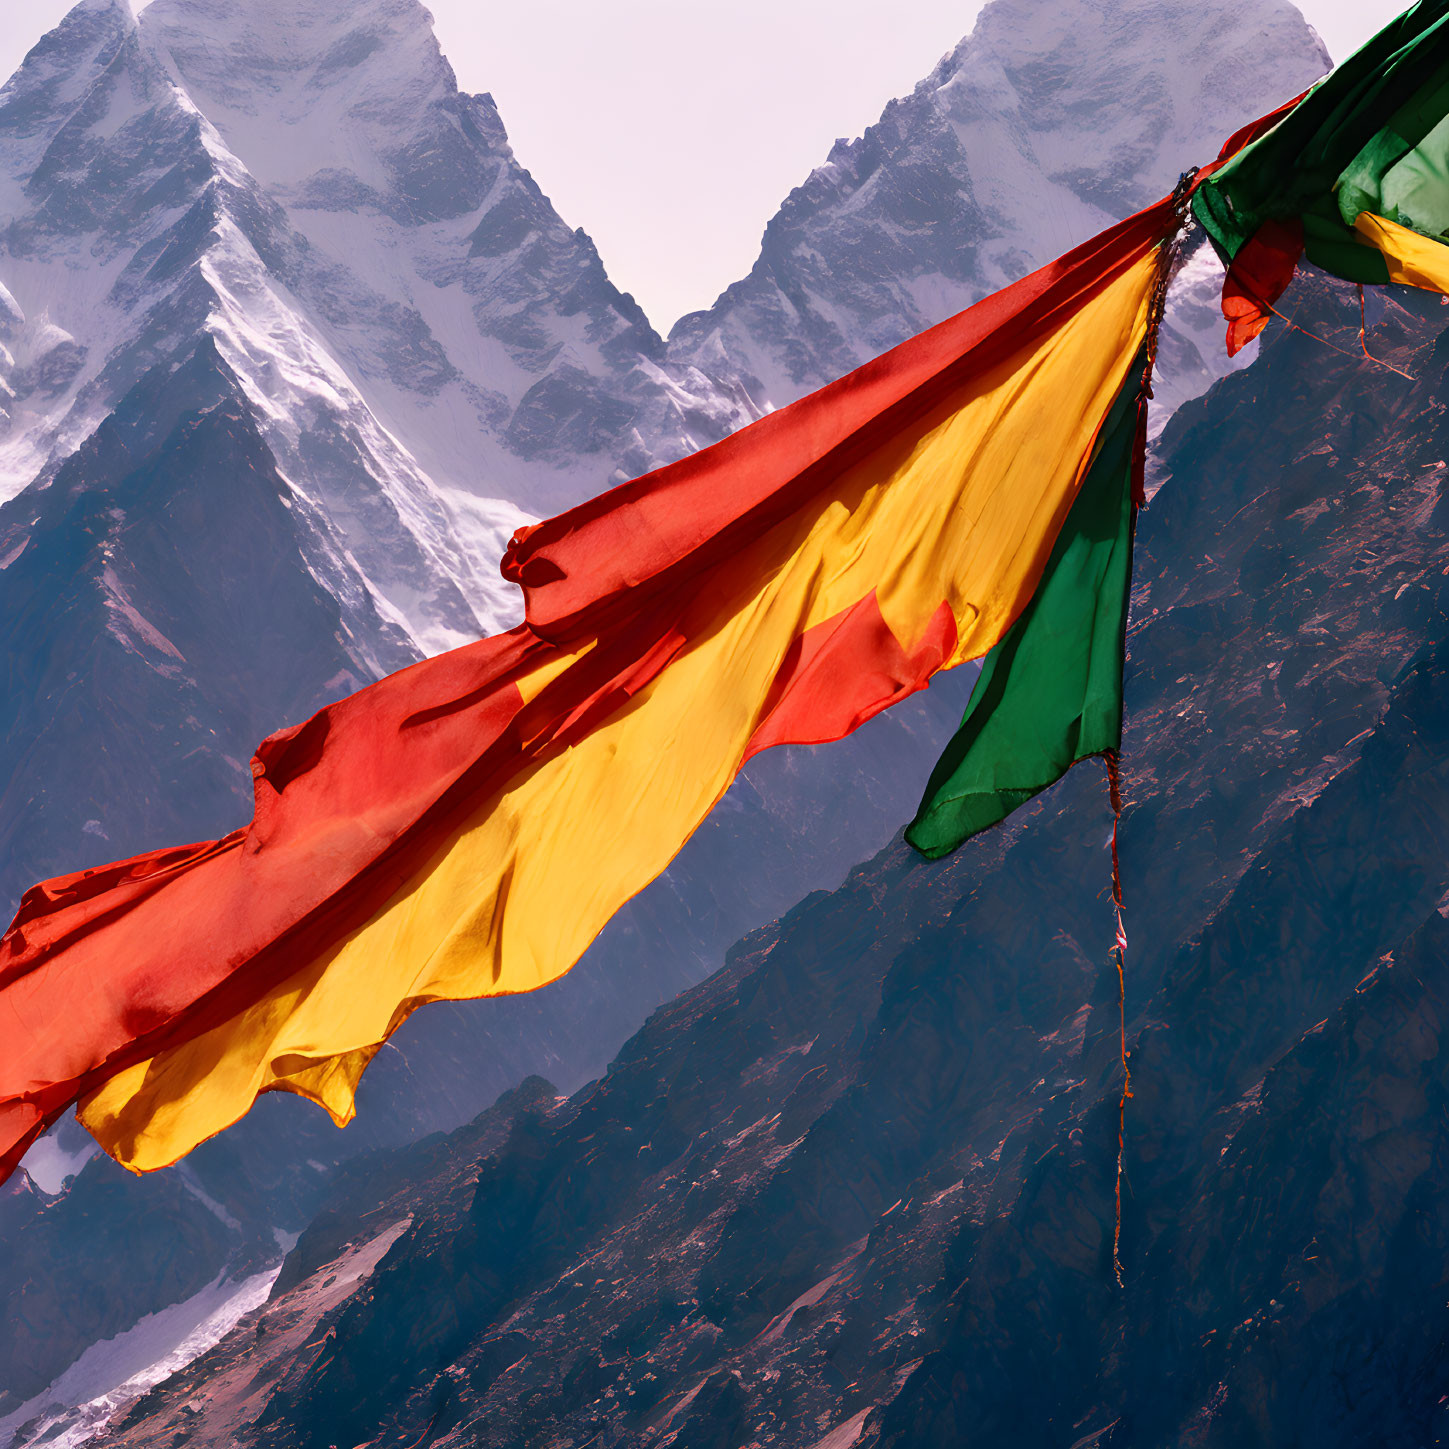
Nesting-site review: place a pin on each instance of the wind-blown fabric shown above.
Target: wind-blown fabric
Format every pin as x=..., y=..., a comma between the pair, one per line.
x=1050, y=694
x=466, y=827
x=1355, y=176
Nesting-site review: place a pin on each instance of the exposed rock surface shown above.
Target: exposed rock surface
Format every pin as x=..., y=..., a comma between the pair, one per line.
x=857, y=1188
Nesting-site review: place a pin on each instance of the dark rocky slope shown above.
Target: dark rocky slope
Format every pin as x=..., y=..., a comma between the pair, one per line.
x=857, y=1188
x=171, y=530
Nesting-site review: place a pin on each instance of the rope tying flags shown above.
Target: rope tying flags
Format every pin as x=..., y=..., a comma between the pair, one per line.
x=1168, y=258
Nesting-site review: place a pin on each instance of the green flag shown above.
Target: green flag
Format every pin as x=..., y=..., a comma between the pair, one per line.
x=1050, y=693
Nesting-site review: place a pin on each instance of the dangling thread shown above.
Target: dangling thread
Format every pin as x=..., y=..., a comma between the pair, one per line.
x=1114, y=787
x=1157, y=308
x=418, y=1441
x=1363, y=337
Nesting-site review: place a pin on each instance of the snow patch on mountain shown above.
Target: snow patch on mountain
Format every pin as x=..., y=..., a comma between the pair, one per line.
x=110, y=1375
x=59, y=1156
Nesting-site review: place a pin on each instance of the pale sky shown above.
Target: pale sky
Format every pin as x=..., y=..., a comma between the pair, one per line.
x=671, y=130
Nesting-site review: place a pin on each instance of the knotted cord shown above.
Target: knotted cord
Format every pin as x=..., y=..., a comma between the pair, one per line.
x=1114, y=786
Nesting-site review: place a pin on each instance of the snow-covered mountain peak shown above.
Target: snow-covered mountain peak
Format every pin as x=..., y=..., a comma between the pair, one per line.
x=61, y=71
x=1051, y=121
x=1112, y=99
x=345, y=97
x=432, y=355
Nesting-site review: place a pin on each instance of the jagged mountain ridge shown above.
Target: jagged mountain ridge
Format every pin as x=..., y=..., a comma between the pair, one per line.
x=857, y=1189
x=252, y=336
x=134, y=230
x=1015, y=149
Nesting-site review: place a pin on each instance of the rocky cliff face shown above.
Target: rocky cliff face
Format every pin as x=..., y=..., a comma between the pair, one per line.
x=858, y=1187
x=289, y=342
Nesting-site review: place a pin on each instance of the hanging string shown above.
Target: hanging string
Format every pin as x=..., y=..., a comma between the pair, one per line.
x=1114, y=788
x=1171, y=250
x=1363, y=337
x=1167, y=263
x=1333, y=347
